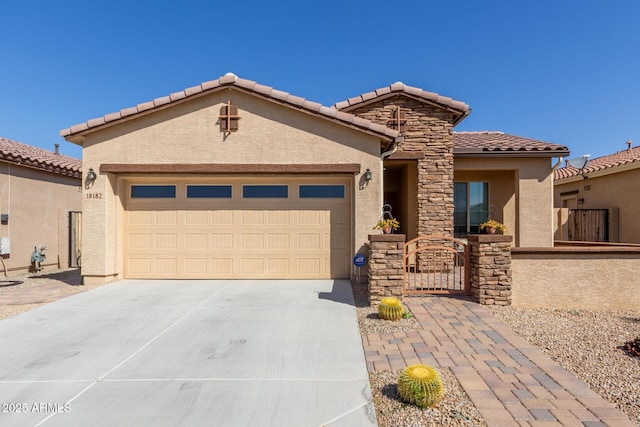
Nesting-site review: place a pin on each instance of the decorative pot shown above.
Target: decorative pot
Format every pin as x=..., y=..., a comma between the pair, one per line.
x=386, y=230
x=491, y=230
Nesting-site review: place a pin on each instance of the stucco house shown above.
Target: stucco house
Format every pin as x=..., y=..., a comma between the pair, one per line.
x=40, y=195
x=601, y=198
x=234, y=179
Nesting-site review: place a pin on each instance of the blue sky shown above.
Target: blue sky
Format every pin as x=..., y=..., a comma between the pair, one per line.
x=563, y=71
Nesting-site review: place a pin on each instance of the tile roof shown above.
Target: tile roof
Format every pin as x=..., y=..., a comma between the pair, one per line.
x=231, y=80
x=486, y=142
x=400, y=88
x=620, y=158
x=27, y=155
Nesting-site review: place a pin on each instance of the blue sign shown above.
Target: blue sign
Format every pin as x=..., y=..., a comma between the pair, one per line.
x=359, y=260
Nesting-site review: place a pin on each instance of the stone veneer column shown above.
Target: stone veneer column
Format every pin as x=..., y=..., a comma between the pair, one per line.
x=435, y=190
x=385, y=266
x=427, y=137
x=490, y=268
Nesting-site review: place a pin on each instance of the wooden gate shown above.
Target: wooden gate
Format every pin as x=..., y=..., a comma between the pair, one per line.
x=589, y=225
x=75, y=238
x=436, y=265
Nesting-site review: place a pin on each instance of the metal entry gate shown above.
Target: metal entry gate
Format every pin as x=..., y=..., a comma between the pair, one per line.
x=436, y=265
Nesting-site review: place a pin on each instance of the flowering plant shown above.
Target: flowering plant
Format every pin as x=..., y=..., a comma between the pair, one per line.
x=386, y=223
x=492, y=223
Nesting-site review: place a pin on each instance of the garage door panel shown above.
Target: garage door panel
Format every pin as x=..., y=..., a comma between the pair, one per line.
x=309, y=241
x=251, y=217
x=278, y=217
x=277, y=266
x=196, y=241
x=252, y=241
x=278, y=241
x=222, y=217
x=166, y=266
x=250, y=238
x=197, y=217
x=140, y=241
x=139, y=267
x=196, y=266
x=166, y=241
x=252, y=266
x=221, y=267
x=166, y=217
x=222, y=241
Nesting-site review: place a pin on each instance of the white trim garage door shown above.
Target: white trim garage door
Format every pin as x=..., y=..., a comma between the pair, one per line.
x=278, y=227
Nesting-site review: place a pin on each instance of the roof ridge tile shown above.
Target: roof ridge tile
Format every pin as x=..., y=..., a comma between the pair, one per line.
x=230, y=80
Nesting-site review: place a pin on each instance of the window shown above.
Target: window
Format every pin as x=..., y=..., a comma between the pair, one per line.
x=471, y=200
x=265, y=191
x=208, y=191
x=322, y=191
x=153, y=191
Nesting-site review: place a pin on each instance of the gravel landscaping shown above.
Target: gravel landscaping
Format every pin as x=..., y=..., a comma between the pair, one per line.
x=588, y=344
x=68, y=281
x=456, y=409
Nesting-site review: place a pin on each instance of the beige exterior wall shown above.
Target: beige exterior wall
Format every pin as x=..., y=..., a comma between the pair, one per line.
x=521, y=192
x=38, y=204
x=570, y=281
x=611, y=191
x=189, y=133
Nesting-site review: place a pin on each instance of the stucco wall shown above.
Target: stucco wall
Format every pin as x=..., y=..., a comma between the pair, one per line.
x=189, y=133
x=38, y=204
x=610, y=191
x=606, y=280
x=525, y=186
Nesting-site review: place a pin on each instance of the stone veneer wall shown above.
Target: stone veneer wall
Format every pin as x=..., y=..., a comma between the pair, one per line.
x=385, y=266
x=428, y=130
x=490, y=268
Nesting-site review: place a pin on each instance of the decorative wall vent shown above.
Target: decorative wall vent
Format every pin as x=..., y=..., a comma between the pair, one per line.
x=229, y=118
x=398, y=120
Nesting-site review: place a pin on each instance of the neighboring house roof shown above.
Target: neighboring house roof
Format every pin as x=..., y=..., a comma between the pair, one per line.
x=227, y=81
x=630, y=155
x=491, y=143
x=27, y=155
x=459, y=108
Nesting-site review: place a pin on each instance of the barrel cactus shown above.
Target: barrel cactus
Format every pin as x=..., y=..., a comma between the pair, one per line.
x=390, y=308
x=420, y=385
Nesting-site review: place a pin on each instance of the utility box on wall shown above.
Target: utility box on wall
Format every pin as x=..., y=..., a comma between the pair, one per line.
x=5, y=246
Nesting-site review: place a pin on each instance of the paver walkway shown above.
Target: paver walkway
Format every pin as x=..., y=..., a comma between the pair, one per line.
x=510, y=381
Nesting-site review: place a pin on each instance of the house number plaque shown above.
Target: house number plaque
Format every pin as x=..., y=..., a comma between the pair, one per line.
x=94, y=195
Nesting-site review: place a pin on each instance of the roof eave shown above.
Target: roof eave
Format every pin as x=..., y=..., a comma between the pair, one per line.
x=77, y=137
x=475, y=152
x=461, y=113
x=600, y=172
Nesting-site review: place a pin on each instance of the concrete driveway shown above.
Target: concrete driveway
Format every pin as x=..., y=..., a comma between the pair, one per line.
x=193, y=353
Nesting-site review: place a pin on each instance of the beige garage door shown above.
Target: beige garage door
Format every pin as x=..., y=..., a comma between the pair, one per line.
x=295, y=227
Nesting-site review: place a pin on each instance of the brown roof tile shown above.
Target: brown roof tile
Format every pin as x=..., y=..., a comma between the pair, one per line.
x=229, y=80
x=620, y=158
x=27, y=155
x=459, y=107
x=486, y=142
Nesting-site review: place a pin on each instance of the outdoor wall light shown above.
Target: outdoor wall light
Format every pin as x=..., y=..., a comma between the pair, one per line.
x=368, y=175
x=581, y=201
x=91, y=178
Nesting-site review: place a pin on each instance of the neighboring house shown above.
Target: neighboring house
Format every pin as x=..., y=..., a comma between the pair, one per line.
x=602, y=198
x=39, y=192
x=233, y=179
